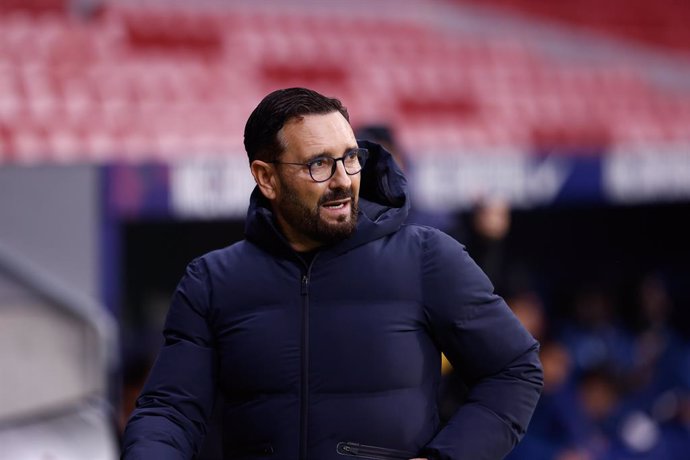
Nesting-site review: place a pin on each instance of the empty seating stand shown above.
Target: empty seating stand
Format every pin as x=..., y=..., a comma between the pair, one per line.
x=165, y=80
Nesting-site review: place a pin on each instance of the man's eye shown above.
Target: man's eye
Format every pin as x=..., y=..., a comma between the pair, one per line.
x=318, y=163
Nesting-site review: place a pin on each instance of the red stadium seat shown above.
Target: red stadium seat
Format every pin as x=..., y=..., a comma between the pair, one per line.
x=147, y=81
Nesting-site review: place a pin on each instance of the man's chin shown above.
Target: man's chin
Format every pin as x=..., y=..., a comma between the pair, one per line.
x=335, y=230
x=343, y=226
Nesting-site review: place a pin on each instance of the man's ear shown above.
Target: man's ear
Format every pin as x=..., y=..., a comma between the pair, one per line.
x=266, y=178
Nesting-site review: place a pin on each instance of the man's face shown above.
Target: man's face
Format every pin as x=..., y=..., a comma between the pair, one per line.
x=315, y=213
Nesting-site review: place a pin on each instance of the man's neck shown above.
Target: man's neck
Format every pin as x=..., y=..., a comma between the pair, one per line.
x=308, y=256
x=297, y=241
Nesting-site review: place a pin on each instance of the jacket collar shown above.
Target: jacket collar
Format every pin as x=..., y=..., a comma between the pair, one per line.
x=383, y=207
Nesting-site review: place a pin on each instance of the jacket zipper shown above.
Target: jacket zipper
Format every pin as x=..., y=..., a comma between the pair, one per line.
x=304, y=387
x=354, y=449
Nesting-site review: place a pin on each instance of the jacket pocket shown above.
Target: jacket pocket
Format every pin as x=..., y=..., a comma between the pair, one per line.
x=354, y=449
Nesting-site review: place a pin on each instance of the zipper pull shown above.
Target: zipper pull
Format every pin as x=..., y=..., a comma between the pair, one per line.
x=305, y=284
x=351, y=448
x=348, y=448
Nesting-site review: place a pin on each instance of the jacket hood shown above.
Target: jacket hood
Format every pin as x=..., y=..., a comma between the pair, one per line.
x=383, y=206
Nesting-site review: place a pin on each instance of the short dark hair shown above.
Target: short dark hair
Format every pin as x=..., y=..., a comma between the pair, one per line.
x=261, y=131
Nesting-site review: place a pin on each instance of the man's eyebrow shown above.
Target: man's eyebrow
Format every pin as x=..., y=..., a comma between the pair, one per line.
x=318, y=155
x=329, y=154
x=349, y=149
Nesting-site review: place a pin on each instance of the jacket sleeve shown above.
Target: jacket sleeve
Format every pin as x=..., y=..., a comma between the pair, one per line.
x=486, y=343
x=171, y=413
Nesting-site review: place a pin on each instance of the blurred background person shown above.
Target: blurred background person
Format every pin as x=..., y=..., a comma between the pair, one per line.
x=448, y=222
x=490, y=225
x=596, y=336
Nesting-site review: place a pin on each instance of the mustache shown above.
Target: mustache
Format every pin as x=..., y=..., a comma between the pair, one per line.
x=337, y=194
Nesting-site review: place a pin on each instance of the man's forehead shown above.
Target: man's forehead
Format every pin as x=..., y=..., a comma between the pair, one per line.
x=318, y=131
x=316, y=119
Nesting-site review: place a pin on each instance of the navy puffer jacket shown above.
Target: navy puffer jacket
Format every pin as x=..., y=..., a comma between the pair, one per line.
x=338, y=359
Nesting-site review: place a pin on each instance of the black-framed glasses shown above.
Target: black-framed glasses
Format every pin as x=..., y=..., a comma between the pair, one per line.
x=322, y=168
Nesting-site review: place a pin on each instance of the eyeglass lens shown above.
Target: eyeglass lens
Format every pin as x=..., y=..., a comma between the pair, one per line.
x=323, y=169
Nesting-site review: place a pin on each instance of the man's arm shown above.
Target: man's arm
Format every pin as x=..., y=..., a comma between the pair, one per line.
x=486, y=343
x=170, y=419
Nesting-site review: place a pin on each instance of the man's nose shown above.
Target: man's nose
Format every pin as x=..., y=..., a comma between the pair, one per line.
x=340, y=177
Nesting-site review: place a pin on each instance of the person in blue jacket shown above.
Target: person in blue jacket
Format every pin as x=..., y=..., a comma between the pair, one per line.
x=323, y=329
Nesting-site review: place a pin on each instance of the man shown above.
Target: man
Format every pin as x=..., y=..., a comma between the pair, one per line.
x=323, y=330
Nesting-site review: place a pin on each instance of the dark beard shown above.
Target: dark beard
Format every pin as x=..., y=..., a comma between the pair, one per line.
x=309, y=222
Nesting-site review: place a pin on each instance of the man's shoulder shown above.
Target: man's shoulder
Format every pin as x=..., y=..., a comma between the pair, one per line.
x=425, y=233
x=431, y=243
x=229, y=254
